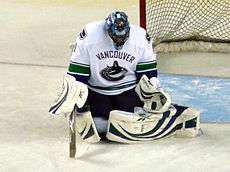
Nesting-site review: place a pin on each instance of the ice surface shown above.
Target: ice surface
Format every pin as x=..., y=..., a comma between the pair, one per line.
x=210, y=95
x=31, y=140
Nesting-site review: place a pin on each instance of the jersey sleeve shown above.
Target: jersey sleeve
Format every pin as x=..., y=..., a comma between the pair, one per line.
x=79, y=65
x=147, y=64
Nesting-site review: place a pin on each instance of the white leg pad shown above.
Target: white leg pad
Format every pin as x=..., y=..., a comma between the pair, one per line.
x=191, y=123
x=128, y=127
x=86, y=128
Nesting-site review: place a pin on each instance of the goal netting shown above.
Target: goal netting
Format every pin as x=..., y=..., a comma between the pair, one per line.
x=193, y=24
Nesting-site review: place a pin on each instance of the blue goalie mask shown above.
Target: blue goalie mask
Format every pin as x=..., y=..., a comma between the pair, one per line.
x=118, y=28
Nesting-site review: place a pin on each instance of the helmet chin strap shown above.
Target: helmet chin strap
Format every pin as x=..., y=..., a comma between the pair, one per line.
x=118, y=47
x=118, y=44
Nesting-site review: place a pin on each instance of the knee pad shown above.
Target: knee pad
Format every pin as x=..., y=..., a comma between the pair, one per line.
x=86, y=128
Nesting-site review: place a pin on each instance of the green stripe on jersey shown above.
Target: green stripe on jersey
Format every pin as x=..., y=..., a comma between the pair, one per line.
x=146, y=66
x=116, y=87
x=75, y=68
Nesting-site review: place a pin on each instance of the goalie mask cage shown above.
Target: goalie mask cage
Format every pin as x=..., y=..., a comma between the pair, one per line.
x=177, y=25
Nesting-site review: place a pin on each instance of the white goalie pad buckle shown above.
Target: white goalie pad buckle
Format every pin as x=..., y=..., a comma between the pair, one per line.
x=86, y=128
x=128, y=127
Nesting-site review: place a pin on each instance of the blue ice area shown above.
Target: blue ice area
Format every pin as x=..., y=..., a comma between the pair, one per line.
x=211, y=96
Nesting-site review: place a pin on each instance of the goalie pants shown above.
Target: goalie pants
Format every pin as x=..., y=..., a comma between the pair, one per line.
x=101, y=105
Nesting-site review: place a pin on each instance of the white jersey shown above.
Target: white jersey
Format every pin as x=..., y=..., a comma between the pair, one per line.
x=111, y=71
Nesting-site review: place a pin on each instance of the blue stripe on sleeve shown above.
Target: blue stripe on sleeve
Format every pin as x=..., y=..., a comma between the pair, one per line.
x=81, y=78
x=149, y=74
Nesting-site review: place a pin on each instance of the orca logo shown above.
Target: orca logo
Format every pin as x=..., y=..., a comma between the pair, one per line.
x=113, y=73
x=148, y=37
x=83, y=34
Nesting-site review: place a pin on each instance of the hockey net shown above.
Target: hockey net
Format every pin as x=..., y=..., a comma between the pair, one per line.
x=177, y=25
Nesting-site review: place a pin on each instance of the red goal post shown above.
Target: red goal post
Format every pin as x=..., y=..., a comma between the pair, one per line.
x=192, y=22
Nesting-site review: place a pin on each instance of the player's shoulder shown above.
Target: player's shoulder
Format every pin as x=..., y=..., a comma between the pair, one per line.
x=95, y=26
x=139, y=36
x=137, y=29
x=92, y=32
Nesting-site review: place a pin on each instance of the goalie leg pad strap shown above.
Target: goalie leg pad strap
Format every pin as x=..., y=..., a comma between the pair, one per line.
x=86, y=128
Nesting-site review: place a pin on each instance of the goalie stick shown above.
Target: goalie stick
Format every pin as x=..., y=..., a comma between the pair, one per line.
x=72, y=132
